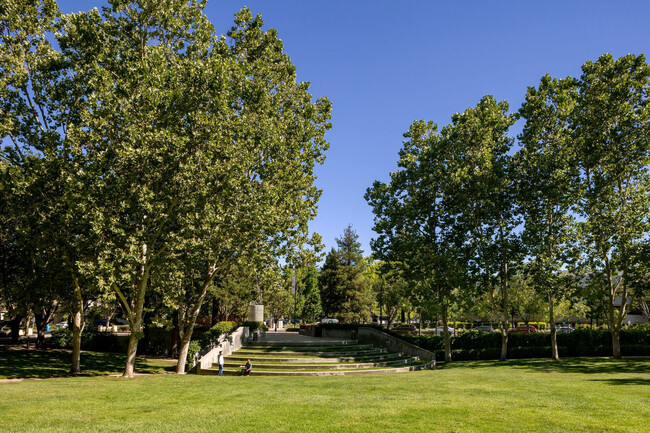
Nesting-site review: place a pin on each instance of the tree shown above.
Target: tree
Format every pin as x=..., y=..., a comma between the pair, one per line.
x=308, y=287
x=611, y=122
x=392, y=291
x=412, y=220
x=210, y=154
x=547, y=178
x=345, y=293
x=483, y=199
x=40, y=101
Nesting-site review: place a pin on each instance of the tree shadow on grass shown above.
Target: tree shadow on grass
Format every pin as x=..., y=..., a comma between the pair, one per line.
x=41, y=364
x=566, y=365
x=631, y=381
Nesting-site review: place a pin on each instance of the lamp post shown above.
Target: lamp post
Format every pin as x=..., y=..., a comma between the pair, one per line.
x=293, y=292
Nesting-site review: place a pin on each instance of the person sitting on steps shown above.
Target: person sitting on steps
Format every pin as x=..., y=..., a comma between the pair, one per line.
x=246, y=369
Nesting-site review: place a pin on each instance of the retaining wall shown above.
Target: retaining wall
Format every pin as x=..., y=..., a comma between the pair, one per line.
x=377, y=338
x=228, y=344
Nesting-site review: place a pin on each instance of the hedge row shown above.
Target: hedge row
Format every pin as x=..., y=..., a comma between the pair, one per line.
x=475, y=345
x=487, y=340
x=542, y=352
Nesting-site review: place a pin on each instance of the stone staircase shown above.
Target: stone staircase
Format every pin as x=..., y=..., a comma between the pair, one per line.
x=318, y=358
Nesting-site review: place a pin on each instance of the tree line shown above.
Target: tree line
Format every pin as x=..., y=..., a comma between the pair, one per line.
x=471, y=214
x=147, y=156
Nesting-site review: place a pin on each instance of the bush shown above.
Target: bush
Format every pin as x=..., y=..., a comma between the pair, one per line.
x=213, y=334
x=192, y=350
x=516, y=352
x=61, y=338
x=254, y=326
x=476, y=340
x=103, y=342
x=636, y=350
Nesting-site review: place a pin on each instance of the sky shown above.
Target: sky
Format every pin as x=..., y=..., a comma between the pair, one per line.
x=384, y=64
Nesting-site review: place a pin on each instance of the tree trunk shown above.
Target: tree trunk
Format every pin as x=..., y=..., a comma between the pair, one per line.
x=188, y=328
x=77, y=328
x=135, y=323
x=504, y=340
x=41, y=322
x=132, y=351
x=445, y=334
x=616, y=343
x=27, y=322
x=551, y=314
x=182, y=355
x=14, y=324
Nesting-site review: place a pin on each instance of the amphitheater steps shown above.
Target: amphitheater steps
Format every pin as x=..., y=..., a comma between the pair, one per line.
x=316, y=358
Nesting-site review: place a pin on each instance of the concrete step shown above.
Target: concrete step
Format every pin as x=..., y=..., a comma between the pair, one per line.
x=309, y=348
x=412, y=367
x=304, y=343
x=369, y=358
x=324, y=354
x=329, y=366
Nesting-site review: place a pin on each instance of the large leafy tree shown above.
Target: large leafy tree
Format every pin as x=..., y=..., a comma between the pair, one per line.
x=412, y=220
x=611, y=126
x=40, y=102
x=547, y=180
x=483, y=200
x=193, y=148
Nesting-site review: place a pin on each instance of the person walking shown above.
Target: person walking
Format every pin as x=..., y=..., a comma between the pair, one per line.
x=220, y=361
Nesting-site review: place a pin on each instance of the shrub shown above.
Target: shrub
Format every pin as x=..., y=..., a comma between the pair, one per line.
x=192, y=350
x=61, y=338
x=213, y=334
x=515, y=352
x=635, y=350
x=254, y=326
x=476, y=340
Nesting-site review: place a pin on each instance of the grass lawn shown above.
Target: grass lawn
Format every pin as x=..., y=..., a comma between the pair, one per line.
x=574, y=395
x=22, y=363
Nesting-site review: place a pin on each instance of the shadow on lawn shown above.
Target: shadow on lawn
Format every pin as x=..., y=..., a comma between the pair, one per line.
x=23, y=363
x=633, y=381
x=567, y=365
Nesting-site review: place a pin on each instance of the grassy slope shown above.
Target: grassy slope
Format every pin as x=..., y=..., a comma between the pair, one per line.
x=580, y=395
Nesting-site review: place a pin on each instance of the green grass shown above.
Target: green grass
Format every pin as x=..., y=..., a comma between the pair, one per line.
x=575, y=395
x=22, y=363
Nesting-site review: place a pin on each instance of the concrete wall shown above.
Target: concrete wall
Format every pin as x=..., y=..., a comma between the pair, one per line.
x=346, y=334
x=393, y=344
x=228, y=344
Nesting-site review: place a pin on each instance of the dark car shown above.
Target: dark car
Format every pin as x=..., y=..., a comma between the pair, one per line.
x=523, y=329
x=113, y=322
x=483, y=328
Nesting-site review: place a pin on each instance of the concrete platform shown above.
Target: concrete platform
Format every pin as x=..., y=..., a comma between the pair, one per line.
x=293, y=338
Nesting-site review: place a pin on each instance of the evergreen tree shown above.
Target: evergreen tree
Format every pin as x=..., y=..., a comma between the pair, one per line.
x=345, y=291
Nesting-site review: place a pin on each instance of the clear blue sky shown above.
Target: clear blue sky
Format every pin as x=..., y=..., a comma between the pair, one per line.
x=384, y=64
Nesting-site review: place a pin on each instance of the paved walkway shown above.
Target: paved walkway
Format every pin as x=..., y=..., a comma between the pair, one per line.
x=283, y=336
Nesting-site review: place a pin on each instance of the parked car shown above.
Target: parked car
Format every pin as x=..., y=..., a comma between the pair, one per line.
x=405, y=328
x=329, y=320
x=441, y=329
x=563, y=329
x=523, y=329
x=114, y=321
x=483, y=328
